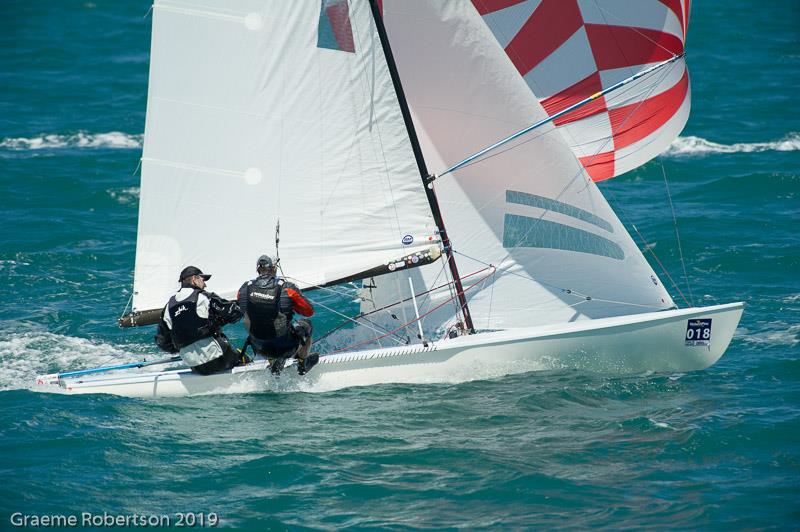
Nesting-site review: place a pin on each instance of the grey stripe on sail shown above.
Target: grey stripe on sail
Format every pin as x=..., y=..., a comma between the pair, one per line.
x=521, y=231
x=532, y=200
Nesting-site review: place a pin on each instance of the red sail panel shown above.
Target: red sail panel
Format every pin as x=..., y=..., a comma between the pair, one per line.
x=600, y=167
x=641, y=46
x=550, y=25
x=490, y=6
x=631, y=123
x=572, y=95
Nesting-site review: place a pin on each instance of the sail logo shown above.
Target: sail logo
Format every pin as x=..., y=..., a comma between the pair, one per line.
x=335, y=31
x=408, y=240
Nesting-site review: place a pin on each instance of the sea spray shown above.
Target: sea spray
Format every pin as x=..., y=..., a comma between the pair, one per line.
x=23, y=355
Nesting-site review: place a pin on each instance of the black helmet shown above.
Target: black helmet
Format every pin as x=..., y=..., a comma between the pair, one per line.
x=264, y=262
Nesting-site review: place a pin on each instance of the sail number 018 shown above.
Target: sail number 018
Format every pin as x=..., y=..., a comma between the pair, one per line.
x=698, y=332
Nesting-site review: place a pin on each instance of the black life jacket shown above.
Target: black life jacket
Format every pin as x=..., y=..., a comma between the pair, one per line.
x=187, y=326
x=267, y=321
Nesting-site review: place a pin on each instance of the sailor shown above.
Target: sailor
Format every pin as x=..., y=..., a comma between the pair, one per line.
x=269, y=303
x=191, y=324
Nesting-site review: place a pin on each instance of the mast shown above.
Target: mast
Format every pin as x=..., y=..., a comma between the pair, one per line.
x=423, y=169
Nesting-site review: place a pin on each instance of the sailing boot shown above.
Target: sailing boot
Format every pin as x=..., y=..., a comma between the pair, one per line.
x=304, y=365
x=277, y=366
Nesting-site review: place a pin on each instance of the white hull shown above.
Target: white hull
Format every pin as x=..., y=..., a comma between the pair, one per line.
x=652, y=342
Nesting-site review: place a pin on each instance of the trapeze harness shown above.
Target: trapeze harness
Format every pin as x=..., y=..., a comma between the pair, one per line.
x=188, y=329
x=270, y=328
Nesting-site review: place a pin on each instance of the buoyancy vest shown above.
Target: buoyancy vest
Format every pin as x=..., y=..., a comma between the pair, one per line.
x=267, y=321
x=187, y=326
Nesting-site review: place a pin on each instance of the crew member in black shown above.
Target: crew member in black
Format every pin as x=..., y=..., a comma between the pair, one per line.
x=269, y=303
x=191, y=325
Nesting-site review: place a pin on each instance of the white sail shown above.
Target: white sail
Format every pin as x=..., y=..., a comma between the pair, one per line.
x=530, y=208
x=260, y=111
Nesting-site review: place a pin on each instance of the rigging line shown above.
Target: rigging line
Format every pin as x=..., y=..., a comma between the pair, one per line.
x=641, y=34
x=606, y=140
x=386, y=307
x=491, y=300
x=367, y=96
x=581, y=168
x=614, y=36
x=647, y=96
x=405, y=324
x=529, y=278
x=337, y=291
x=426, y=300
x=561, y=113
x=345, y=316
x=625, y=303
x=618, y=96
x=618, y=205
x=663, y=268
x=376, y=43
x=677, y=234
x=583, y=297
x=128, y=304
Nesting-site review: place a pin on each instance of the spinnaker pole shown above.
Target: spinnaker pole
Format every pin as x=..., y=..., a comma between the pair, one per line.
x=423, y=169
x=559, y=114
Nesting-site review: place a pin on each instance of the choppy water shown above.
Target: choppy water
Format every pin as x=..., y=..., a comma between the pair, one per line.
x=548, y=449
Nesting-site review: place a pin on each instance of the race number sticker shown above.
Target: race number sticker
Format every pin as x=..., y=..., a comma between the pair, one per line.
x=698, y=332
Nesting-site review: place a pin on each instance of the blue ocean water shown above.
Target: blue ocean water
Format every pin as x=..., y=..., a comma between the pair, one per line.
x=715, y=448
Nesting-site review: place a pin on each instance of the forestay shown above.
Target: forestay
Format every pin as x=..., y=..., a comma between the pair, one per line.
x=567, y=50
x=267, y=110
x=530, y=208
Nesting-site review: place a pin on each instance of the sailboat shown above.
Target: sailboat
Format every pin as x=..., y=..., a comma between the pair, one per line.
x=444, y=154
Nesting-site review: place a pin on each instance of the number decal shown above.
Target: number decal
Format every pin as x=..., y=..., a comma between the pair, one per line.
x=698, y=332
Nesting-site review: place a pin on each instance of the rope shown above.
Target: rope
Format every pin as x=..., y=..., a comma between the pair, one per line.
x=385, y=307
x=677, y=235
x=649, y=248
x=434, y=309
x=128, y=304
x=605, y=11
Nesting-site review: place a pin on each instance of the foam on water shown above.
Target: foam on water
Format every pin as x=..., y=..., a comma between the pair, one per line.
x=773, y=334
x=691, y=145
x=81, y=139
x=24, y=355
x=125, y=196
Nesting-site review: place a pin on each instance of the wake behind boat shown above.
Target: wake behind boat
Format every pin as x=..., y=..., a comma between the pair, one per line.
x=324, y=118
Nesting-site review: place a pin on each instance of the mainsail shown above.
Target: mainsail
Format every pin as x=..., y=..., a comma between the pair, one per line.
x=269, y=111
x=569, y=49
x=530, y=209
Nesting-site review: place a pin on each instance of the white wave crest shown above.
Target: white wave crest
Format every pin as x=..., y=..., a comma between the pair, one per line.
x=24, y=355
x=688, y=146
x=776, y=334
x=81, y=139
x=124, y=196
